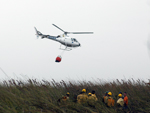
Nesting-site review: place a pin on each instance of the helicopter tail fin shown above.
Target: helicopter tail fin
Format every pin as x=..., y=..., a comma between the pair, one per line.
x=38, y=33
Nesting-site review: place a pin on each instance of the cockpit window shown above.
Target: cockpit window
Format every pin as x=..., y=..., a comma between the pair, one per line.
x=73, y=39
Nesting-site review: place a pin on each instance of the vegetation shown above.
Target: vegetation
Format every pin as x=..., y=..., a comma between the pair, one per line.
x=34, y=96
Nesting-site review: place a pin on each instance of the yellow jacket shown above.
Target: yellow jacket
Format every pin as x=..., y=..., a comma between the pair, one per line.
x=120, y=102
x=110, y=101
x=91, y=100
x=82, y=98
x=94, y=96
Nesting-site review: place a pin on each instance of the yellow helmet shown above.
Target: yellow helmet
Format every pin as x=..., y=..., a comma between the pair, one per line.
x=120, y=95
x=89, y=94
x=83, y=90
x=68, y=93
x=110, y=93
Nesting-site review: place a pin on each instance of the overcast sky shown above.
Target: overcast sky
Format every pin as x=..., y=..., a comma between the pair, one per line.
x=119, y=47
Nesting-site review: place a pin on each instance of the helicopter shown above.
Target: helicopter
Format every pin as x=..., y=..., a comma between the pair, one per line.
x=64, y=39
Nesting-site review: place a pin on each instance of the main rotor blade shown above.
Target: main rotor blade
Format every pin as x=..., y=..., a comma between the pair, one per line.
x=72, y=32
x=58, y=28
x=79, y=32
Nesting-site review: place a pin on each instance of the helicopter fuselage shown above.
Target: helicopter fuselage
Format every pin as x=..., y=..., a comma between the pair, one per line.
x=64, y=40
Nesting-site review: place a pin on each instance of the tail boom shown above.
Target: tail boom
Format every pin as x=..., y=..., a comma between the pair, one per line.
x=38, y=33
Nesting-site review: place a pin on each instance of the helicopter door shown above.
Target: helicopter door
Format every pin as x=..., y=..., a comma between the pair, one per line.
x=65, y=40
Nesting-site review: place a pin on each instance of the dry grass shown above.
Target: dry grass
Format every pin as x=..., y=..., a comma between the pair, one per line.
x=34, y=96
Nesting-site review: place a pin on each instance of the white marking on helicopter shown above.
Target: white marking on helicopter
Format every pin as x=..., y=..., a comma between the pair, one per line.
x=64, y=39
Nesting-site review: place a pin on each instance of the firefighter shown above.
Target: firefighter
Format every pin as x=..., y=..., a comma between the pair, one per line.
x=125, y=107
x=120, y=103
x=66, y=98
x=82, y=97
x=91, y=100
x=109, y=100
x=63, y=99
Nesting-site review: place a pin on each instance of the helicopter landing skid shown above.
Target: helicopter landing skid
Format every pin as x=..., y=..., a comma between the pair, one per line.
x=66, y=49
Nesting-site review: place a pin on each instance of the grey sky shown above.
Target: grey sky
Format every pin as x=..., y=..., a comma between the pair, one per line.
x=117, y=49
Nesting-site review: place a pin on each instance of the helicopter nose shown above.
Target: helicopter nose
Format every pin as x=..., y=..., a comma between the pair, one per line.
x=79, y=44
